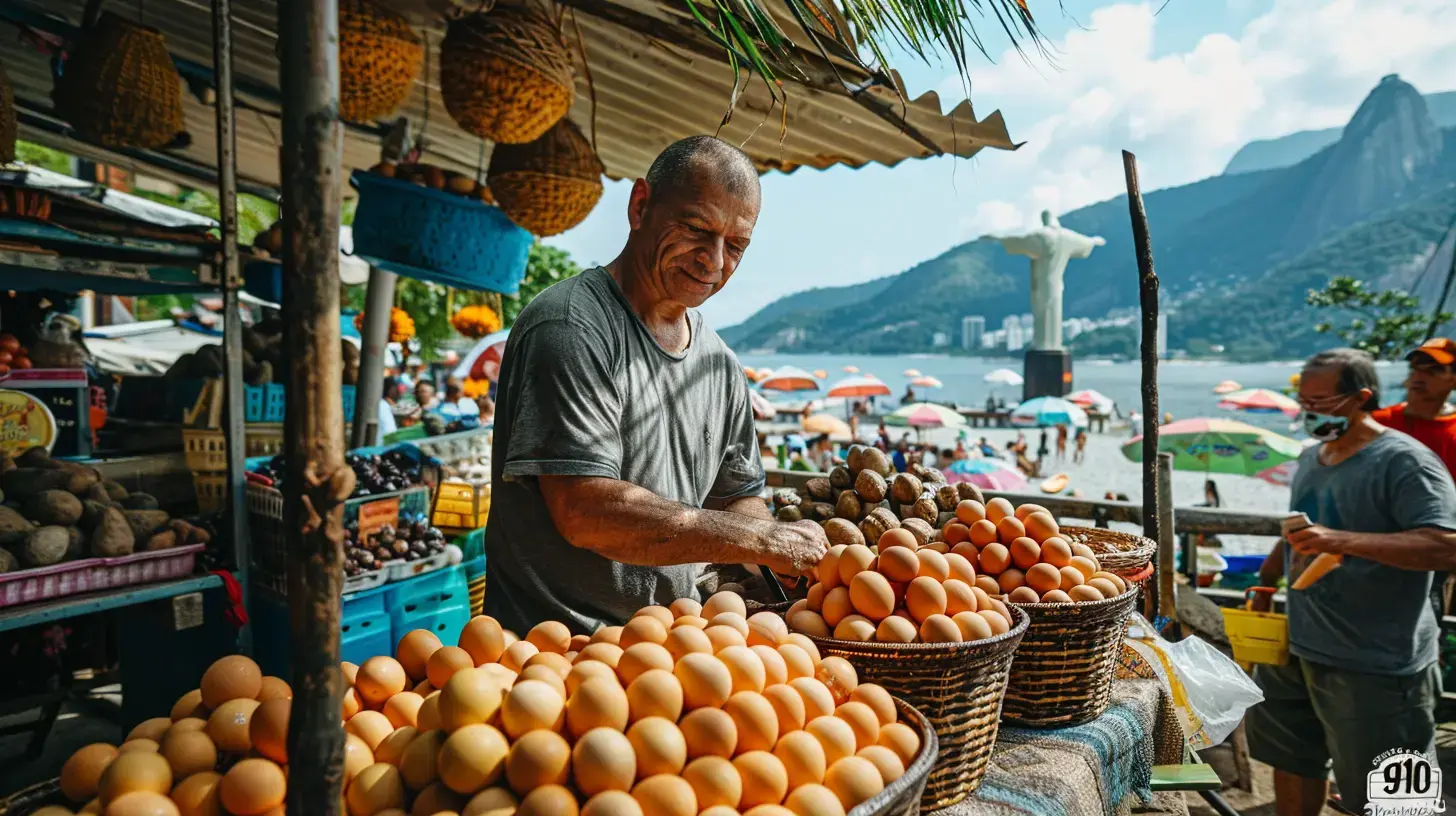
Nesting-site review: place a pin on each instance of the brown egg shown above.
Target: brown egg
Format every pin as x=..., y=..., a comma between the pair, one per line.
x=854, y=780
x=419, y=761
x=972, y=626
x=531, y=705
x=970, y=511
x=998, y=622
x=766, y=629
x=983, y=532
x=902, y=739
x=1024, y=510
x=869, y=593
x=1056, y=551
x=855, y=559
x=597, y=703
x=274, y=688
x=813, y=800
x=818, y=699
x=723, y=636
x=1040, y=526
x=863, y=719
x=188, y=724
x=659, y=746
x=1113, y=578
x=715, y=782
x=377, y=787
x=538, y=758
x=197, y=795
x=810, y=623
x=896, y=629
x=709, y=732
x=1010, y=580
x=547, y=800
x=608, y=653
x=608, y=634
x=370, y=726
x=886, y=761
x=577, y=643
x=1024, y=553
x=493, y=801
x=152, y=729
x=798, y=660
x=1009, y=529
x=756, y=720
x=1083, y=593
x=898, y=563
x=403, y=708
x=959, y=597
x=998, y=509
x=1043, y=578
x=955, y=533
x=142, y=744
x=82, y=771
x=939, y=629
x=1055, y=596
x=960, y=567
x=252, y=788
x=641, y=657
x=1087, y=566
x=655, y=693
x=722, y=602
x=938, y=546
x=228, y=725
x=189, y=752
x=834, y=735
x=230, y=678
x=414, y=651
x=268, y=730
x=379, y=679
x=933, y=564
x=744, y=667
x=663, y=614
x=516, y=654
x=788, y=706
x=706, y=682
x=140, y=803
x=472, y=696
x=925, y=597
x=855, y=628
x=190, y=705
x=665, y=795
x=828, y=567
x=1105, y=587
x=358, y=756
x=351, y=704
x=350, y=671
x=837, y=604
x=685, y=606
x=878, y=699
x=838, y=676
x=134, y=771
x=687, y=622
x=994, y=560
x=643, y=629
x=1071, y=576
x=472, y=758
x=612, y=803
x=391, y=749
x=1024, y=595
x=897, y=537
x=765, y=780
x=444, y=662
x=775, y=671
x=802, y=756
x=987, y=586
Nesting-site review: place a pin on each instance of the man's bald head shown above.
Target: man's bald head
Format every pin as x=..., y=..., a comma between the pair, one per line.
x=687, y=165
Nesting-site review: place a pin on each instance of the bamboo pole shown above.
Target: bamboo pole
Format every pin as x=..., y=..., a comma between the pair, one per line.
x=316, y=480
x=1148, y=299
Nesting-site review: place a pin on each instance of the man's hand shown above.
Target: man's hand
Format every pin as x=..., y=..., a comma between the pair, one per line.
x=794, y=548
x=1318, y=539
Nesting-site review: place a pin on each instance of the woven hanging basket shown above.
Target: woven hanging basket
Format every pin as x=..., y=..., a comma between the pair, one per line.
x=119, y=87
x=7, y=118
x=505, y=75
x=379, y=58
x=550, y=185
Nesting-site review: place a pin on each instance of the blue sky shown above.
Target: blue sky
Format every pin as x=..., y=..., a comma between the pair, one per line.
x=1183, y=88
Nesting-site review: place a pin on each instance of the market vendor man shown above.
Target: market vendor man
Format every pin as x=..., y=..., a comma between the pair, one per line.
x=624, y=454
x=1362, y=677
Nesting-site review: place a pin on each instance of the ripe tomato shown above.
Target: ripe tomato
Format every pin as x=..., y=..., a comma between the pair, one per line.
x=9, y=342
x=20, y=362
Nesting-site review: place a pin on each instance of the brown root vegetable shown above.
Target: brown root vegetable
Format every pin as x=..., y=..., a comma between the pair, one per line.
x=36, y=457
x=164, y=540
x=76, y=547
x=91, y=511
x=112, y=535
x=46, y=546
x=13, y=527
x=57, y=507
x=82, y=481
x=114, y=490
x=24, y=483
x=818, y=488
x=140, y=501
x=8, y=562
x=145, y=522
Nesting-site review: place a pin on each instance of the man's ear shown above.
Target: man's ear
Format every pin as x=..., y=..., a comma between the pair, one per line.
x=637, y=204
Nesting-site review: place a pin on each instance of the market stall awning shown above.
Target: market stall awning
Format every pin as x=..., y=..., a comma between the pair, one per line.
x=655, y=77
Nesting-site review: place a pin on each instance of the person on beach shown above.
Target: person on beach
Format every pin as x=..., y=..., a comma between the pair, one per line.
x=1042, y=449
x=1079, y=455
x=1061, y=443
x=1362, y=677
x=854, y=425
x=909, y=396
x=1426, y=414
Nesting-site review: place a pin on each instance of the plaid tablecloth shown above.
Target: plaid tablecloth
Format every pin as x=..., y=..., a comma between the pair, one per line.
x=1102, y=768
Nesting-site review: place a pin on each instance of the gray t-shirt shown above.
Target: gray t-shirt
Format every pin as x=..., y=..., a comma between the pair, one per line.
x=585, y=390
x=1364, y=616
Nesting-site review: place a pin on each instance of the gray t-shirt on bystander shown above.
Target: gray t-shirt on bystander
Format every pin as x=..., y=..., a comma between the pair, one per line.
x=585, y=390
x=1364, y=616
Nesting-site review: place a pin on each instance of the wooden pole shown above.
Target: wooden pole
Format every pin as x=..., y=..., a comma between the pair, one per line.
x=1148, y=299
x=316, y=480
x=1167, y=540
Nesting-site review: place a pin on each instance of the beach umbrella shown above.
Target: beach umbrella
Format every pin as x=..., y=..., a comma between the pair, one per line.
x=821, y=373
x=1226, y=387
x=912, y=372
x=1042, y=412
x=1219, y=446
x=851, y=369
x=762, y=408
x=926, y=381
x=992, y=474
x=1004, y=376
x=483, y=360
x=1281, y=474
x=789, y=378
x=863, y=386
x=826, y=425
x=1260, y=401
x=1096, y=400
x=926, y=415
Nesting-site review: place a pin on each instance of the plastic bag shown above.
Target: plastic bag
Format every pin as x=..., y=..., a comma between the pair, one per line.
x=1210, y=691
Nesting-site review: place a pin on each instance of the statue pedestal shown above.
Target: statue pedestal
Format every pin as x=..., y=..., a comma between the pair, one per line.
x=1047, y=373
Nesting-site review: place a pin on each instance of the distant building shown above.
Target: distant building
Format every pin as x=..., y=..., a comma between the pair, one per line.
x=1162, y=336
x=940, y=340
x=1015, y=336
x=973, y=328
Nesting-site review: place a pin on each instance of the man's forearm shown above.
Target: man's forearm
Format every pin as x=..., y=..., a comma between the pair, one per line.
x=1425, y=549
x=633, y=525
x=753, y=506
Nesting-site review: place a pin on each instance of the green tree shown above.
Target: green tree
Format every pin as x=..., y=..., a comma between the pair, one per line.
x=1386, y=324
x=546, y=265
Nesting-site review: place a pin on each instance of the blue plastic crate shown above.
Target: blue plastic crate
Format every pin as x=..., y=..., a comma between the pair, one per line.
x=365, y=631
x=438, y=601
x=1243, y=564
x=445, y=621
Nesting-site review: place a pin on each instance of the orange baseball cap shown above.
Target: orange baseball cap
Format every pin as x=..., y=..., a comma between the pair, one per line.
x=1440, y=349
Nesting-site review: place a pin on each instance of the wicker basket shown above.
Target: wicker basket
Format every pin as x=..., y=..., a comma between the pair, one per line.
x=119, y=87
x=958, y=687
x=379, y=58
x=505, y=75
x=1122, y=554
x=7, y=118
x=550, y=185
x=28, y=800
x=1064, y=667
x=902, y=797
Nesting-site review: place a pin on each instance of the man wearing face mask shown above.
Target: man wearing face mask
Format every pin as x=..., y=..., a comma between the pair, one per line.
x=1426, y=415
x=625, y=452
x=1362, y=676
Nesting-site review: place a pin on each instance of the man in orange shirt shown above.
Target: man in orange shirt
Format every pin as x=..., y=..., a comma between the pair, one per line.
x=1425, y=414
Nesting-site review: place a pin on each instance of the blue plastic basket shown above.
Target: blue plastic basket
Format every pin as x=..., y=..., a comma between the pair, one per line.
x=438, y=601
x=264, y=280
x=261, y=403
x=426, y=233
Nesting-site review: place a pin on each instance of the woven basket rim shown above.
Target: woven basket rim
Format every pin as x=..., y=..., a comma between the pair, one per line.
x=30, y=796
x=1139, y=543
x=990, y=646
x=365, y=177
x=537, y=174
x=916, y=774
x=1087, y=611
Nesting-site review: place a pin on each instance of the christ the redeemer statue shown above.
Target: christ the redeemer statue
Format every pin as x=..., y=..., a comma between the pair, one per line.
x=1049, y=247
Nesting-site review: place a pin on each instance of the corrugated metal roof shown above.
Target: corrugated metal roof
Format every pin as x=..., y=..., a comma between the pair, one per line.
x=650, y=89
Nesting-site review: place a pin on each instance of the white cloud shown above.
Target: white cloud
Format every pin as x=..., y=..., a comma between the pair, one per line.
x=1304, y=64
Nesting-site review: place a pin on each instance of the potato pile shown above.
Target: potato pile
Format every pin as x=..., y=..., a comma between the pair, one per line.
x=1019, y=552
x=55, y=510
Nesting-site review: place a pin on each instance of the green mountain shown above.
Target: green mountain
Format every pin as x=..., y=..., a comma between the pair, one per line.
x=1247, y=239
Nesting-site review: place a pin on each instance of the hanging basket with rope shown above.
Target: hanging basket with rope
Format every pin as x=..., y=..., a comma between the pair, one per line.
x=7, y=118
x=550, y=185
x=476, y=321
x=379, y=58
x=119, y=87
x=505, y=75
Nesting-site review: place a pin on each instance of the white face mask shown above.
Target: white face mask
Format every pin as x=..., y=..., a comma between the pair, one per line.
x=1327, y=427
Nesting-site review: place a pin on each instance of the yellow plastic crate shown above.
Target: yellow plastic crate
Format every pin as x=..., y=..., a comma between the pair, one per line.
x=1257, y=637
x=206, y=450
x=211, y=491
x=461, y=505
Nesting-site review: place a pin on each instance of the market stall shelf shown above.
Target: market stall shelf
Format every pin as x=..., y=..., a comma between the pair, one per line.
x=69, y=607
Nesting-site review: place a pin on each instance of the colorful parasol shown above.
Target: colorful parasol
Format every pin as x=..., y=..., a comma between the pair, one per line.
x=912, y=372
x=821, y=373
x=864, y=386
x=483, y=360
x=926, y=381
x=1095, y=400
x=1003, y=376
x=851, y=369
x=993, y=474
x=1044, y=412
x=789, y=378
x=1226, y=387
x=925, y=415
x=762, y=408
x=1219, y=446
x=824, y=424
x=1260, y=401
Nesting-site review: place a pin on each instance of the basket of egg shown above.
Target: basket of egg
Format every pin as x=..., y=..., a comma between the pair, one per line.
x=911, y=618
x=695, y=710
x=1125, y=555
x=1063, y=671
